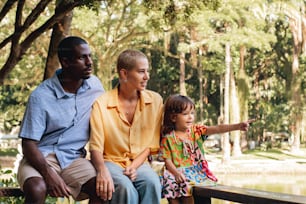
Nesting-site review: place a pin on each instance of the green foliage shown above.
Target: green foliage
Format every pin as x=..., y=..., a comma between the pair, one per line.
x=9, y=179
x=302, y=77
x=165, y=71
x=10, y=99
x=162, y=30
x=21, y=81
x=14, y=93
x=8, y=152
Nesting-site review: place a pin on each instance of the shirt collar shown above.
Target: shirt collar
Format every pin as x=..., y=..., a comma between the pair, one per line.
x=113, y=101
x=59, y=91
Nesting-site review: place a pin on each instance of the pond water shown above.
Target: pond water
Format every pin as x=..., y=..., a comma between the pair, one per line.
x=291, y=184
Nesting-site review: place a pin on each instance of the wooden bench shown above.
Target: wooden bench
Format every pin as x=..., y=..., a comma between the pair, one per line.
x=203, y=195
x=10, y=192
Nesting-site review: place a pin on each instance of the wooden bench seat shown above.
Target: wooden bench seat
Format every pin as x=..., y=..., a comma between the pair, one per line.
x=10, y=192
x=203, y=195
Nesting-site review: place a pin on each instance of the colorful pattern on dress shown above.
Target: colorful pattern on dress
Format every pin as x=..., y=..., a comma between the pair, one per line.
x=188, y=156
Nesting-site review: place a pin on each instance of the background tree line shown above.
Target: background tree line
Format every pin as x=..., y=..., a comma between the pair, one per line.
x=235, y=59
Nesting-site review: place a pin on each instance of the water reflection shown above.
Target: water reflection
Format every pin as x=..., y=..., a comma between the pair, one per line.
x=291, y=184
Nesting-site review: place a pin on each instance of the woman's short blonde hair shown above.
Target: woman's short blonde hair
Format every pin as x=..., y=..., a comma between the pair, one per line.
x=128, y=59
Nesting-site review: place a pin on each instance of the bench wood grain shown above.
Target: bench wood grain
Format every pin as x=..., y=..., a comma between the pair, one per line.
x=10, y=192
x=203, y=195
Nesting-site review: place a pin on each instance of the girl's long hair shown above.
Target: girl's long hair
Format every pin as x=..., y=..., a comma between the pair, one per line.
x=174, y=104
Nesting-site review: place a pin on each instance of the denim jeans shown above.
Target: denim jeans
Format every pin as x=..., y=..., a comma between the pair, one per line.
x=146, y=189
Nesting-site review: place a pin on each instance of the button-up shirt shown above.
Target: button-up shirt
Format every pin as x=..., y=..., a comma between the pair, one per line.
x=113, y=135
x=58, y=120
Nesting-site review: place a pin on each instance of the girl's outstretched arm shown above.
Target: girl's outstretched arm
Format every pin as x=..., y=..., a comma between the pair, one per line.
x=243, y=126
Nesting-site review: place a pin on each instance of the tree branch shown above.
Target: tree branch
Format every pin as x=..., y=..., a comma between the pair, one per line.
x=6, y=8
x=48, y=24
x=40, y=7
x=18, y=50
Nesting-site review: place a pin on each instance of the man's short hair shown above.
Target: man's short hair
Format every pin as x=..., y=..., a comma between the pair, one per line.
x=66, y=46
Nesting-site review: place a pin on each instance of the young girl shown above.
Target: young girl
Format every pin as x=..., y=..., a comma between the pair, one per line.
x=182, y=149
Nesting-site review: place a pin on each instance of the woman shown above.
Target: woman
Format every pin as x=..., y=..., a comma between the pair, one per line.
x=125, y=130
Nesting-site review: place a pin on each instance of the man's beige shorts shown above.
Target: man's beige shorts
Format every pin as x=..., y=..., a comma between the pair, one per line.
x=75, y=175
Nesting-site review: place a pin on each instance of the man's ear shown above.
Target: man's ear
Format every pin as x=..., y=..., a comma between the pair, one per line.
x=64, y=62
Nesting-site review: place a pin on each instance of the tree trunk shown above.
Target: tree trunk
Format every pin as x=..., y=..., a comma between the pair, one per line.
x=202, y=84
x=234, y=115
x=60, y=30
x=226, y=144
x=303, y=131
x=243, y=94
x=200, y=72
x=182, y=74
x=295, y=86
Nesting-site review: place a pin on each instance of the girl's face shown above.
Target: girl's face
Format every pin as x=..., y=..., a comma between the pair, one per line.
x=184, y=120
x=138, y=77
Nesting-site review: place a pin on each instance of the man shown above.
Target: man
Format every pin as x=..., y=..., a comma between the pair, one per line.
x=55, y=129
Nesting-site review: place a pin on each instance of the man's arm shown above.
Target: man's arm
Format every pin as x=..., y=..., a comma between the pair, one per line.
x=55, y=184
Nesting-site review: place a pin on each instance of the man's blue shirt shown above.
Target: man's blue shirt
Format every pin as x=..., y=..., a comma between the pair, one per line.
x=58, y=120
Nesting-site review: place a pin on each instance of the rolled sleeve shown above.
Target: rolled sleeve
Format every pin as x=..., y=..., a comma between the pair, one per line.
x=96, y=141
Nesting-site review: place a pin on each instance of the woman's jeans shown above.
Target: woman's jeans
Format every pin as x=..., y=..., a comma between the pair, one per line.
x=146, y=189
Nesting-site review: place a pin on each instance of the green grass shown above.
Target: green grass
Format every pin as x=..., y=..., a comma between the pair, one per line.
x=273, y=154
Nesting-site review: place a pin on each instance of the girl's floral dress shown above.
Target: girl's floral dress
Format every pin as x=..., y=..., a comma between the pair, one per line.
x=188, y=157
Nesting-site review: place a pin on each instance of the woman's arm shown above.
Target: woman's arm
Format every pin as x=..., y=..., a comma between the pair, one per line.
x=141, y=158
x=104, y=182
x=130, y=170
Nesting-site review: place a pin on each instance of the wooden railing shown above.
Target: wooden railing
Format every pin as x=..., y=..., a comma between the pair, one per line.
x=204, y=194
x=10, y=192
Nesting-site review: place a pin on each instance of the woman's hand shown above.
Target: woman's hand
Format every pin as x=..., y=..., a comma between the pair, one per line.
x=130, y=172
x=104, y=185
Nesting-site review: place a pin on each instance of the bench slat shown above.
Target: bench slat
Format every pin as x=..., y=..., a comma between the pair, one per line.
x=10, y=192
x=245, y=195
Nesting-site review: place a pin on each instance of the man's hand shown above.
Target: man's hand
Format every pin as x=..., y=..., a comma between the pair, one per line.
x=56, y=186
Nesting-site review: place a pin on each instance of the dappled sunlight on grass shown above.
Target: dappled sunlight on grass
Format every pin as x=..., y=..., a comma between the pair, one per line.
x=274, y=154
